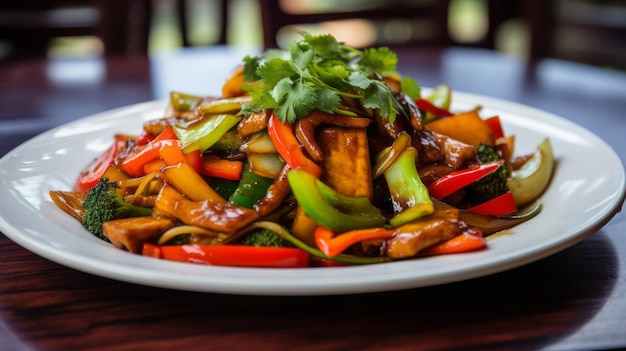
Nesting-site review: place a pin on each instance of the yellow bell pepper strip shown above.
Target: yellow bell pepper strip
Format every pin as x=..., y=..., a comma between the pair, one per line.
x=186, y=180
x=214, y=166
x=289, y=148
x=180, y=174
x=332, y=244
x=498, y=206
x=134, y=163
x=469, y=240
x=410, y=197
x=91, y=175
x=203, y=133
x=454, y=181
x=217, y=216
x=329, y=208
x=231, y=255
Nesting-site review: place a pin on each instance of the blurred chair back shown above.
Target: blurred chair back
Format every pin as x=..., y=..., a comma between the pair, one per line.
x=588, y=31
x=27, y=27
x=368, y=22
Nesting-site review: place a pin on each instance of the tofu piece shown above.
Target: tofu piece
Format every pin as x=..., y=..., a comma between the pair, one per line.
x=346, y=164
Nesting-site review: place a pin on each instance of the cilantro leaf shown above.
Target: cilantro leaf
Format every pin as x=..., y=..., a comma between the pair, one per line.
x=275, y=70
x=325, y=45
x=381, y=60
x=359, y=80
x=298, y=101
x=317, y=72
x=328, y=100
x=379, y=96
x=410, y=87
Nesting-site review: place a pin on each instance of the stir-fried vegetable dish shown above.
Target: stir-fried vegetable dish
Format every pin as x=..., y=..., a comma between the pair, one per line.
x=319, y=155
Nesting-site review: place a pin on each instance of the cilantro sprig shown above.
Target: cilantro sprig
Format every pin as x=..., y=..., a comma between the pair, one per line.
x=316, y=72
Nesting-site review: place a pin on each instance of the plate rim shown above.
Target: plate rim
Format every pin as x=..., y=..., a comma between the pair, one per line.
x=140, y=275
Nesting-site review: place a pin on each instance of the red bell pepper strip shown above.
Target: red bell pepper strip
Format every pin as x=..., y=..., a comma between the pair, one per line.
x=454, y=181
x=90, y=176
x=496, y=127
x=332, y=245
x=151, y=250
x=144, y=138
x=428, y=106
x=232, y=255
x=470, y=240
x=213, y=166
x=134, y=163
x=498, y=206
x=289, y=147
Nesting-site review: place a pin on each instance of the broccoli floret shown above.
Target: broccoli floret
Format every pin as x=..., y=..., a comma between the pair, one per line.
x=103, y=204
x=264, y=238
x=492, y=185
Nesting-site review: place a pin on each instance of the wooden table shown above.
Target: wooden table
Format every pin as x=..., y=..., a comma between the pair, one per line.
x=573, y=300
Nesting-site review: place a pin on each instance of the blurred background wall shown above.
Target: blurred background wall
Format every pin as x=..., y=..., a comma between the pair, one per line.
x=592, y=31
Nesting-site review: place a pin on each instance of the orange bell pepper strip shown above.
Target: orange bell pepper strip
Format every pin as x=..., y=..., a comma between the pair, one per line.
x=470, y=240
x=213, y=166
x=289, y=147
x=134, y=163
x=332, y=245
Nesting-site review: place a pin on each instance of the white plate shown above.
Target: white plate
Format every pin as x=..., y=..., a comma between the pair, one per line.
x=586, y=191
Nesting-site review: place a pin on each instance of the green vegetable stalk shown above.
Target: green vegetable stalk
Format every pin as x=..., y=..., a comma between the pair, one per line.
x=410, y=197
x=251, y=188
x=329, y=208
x=204, y=133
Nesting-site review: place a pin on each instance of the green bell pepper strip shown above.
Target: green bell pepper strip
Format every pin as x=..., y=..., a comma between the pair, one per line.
x=329, y=208
x=410, y=197
x=202, y=134
x=252, y=188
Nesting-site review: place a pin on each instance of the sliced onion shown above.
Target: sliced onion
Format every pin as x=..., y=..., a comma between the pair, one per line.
x=259, y=143
x=266, y=165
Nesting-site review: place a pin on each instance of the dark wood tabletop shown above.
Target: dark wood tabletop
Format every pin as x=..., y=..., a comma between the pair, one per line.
x=572, y=300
